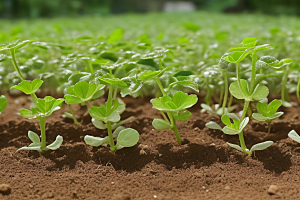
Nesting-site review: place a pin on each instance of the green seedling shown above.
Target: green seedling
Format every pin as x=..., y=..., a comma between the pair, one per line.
x=268, y=112
x=175, y=109
x=235, y=126
x=294, y=136
x=81, y=93
x=108, y=114
x=44, y=108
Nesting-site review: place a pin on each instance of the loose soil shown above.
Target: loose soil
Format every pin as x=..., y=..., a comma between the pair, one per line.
x=203, y=167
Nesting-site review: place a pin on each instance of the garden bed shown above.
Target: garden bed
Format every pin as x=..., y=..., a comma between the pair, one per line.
x=203, y=167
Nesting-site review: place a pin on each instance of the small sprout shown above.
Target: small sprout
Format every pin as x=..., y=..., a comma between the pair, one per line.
x=176, y=110
x=268, y=112
x=234, y=126
x=44, y=108
x=294, y=136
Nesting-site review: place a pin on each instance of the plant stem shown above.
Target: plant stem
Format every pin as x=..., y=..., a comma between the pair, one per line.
x=110, y=136
x=283, y=84
x=242, y=142
x=34, y=97
x=160, y=86
x=15, y=64
x=269, y=127
x=91, y=66
x=174, y=128
x=110, y=96
x=246, y=105
x=73, y=115
x=238, y=74
x=43, y=132
x=253, y=75
x=164, y=116
x=225, y=92
x=298, y=90
x=230, y=101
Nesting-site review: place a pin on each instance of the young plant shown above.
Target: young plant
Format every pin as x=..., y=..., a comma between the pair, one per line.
x=81, y=93
x=108, y=114
x=235, y=126
x=173, y=109
x=43, y=108
x=294, y=136
x=268, y=112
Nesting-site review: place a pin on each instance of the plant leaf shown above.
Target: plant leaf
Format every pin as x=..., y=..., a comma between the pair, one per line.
x=259, y=93
x=3, y=103
x=244, y=124
x=128, y=137
x=28, y=87
x=213, y=125
x=237, y=147
x=230, y=131
x=35, y=148
x=226, y=120
x=56, y=144
x=34, y=137
x=261, y=146
x=95, y=141
x=273, y=107
x=161, y=124
x=183, y=115
x=294, y=136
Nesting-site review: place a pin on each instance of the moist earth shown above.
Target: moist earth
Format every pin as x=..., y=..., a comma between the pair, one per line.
x=203, y=167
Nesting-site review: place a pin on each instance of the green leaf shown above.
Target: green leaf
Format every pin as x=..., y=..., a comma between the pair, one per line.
x=108, y=80
x=128, y=137
x=263, y=108
x=273, y=107
x=244, y=123
x=83, y=92
x=34, y=148
x=114, y=117
x=237, y=147
x=207, y=108
x=116, y=36
x=117, y=131
x=29, y=87
x=99, y=124
x=161, y=124
x=259, y=117
x=260, y=146
x=183, y=115
x=95, y=141
x=230, y=131
x=213, y=125
x=294, y=136
x=56, y=144
x=147, y=75
x=191, y=26
x=34, y=137
x=3, y=103
x=259, y=93
x=183, y=73
x=104, y=113
x=226, y=120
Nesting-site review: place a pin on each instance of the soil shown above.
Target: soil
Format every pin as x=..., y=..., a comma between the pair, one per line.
x=203, y=167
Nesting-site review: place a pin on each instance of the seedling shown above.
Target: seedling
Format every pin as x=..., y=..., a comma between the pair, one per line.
x=294, y=136
x=268, y=112
x=235, y=126
x=108, y=114
x=44, y=108
x=175, y=109
x=81, y=93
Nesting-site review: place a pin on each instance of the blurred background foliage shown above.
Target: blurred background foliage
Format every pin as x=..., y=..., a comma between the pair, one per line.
x=53, y=8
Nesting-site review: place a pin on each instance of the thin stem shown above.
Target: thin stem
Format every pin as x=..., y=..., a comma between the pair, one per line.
x=43, y=132
x=164, y=116
x=298, y=90
x=160, y=86
x=15, y=64
x=115, y=93
x=230, y=101
x=91, y=66
x=253, y=75
x=73, y=115
x=283, y=84
x=226, y=91
x=221, y=96
x=246, y=105
x=238, y=74
x=110, y=96
x=34, y=97
x=269, y=127
x=110, y=136
x=174, y=128
x=242, y=142
x=265, y=76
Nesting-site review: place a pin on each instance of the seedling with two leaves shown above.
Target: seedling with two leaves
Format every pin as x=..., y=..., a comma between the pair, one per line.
x=41, y=110
x=268, y=112
x=235, y=126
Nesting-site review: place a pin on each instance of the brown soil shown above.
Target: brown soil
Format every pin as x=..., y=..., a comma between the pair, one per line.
x=204, y=167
